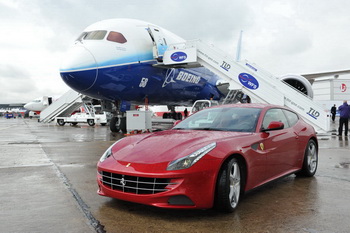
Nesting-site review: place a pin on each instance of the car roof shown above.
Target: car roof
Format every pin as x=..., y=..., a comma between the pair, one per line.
x=249, y=105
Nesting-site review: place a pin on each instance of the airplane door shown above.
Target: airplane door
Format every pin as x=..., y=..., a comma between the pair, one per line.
x=45, y=100
x=159, y=41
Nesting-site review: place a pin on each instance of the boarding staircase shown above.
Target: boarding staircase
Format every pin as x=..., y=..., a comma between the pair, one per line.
x=260, y=85
x=89, y=107
x=233, y=96
x=63, y=107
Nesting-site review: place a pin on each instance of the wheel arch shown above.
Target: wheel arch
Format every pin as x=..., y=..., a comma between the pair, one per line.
x=316, y=141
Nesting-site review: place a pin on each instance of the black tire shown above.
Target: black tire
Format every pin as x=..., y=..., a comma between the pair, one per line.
x=310, y=162
x=61, y=122
x=179, y=116
x=103, y=124
x=123, y=124
x=229, y=186
x=116, y=124
x=91, y=122
x=74, y=123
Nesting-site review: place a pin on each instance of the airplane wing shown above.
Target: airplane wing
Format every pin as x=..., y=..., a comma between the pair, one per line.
x=311, y=77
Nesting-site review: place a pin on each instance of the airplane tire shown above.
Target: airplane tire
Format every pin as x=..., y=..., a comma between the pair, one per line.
x=116, y=124
x=123, y=124
x=179, y=116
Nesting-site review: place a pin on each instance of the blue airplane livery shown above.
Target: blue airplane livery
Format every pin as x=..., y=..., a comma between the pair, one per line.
x=113, y=60
x=120, y=62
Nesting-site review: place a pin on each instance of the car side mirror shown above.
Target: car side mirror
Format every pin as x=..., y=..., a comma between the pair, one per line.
x=274, y=125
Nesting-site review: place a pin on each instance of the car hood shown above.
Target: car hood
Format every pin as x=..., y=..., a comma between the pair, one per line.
x=166, y=146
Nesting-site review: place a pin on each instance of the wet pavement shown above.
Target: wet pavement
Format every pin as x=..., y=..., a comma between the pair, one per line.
x=48, y=175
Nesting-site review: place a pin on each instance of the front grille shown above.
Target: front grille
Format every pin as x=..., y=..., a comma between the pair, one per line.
x=134, y=184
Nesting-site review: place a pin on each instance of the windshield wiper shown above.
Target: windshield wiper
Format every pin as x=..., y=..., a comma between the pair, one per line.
x=209, y=129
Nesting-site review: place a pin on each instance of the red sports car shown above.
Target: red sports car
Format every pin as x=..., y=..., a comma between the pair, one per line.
x=209, y=159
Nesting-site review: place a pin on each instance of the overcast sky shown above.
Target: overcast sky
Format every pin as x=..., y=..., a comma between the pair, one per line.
x=282, y=36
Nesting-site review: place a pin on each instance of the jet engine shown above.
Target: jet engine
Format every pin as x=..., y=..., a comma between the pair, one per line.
x=300, y=83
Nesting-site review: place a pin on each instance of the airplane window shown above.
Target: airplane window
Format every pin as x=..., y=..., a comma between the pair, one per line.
x=82, y=35
x=116, y=37
x=95, y=35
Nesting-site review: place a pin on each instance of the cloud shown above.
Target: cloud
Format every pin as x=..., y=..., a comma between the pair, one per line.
x=14, y=82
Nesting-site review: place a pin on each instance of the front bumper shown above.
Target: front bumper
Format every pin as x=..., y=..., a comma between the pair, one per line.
x=192, y=188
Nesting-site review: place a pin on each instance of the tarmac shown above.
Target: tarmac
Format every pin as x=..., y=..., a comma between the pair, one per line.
x=48, y=175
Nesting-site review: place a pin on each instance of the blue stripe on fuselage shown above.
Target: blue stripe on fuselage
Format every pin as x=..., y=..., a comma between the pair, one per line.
x=123, y=82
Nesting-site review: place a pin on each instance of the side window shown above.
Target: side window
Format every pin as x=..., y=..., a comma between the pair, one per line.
x=116, y=37
x=292, y=117
x=274, y=114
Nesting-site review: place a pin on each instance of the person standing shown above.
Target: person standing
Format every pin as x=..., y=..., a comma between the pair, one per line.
x=333, y=112
x=344, y=114
x=186, y=113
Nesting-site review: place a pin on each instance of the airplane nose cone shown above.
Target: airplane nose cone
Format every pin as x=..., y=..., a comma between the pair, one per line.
x=79, y=68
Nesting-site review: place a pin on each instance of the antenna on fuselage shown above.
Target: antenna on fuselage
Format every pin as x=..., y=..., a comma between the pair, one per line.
x=239, y=46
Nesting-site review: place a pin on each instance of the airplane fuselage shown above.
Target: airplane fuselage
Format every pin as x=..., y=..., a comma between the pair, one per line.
x=114, y=60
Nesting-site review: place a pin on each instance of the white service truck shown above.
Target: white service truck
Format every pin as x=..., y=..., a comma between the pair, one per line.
x=84, y=118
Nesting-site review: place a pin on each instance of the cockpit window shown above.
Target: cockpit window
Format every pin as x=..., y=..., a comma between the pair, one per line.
x=95, y=35
x=116, y=37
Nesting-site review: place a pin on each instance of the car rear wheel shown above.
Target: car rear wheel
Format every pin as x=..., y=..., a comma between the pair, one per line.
x=229, y=186
x=310, y=160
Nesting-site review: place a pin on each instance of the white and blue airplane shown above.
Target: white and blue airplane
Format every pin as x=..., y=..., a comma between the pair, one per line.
x=114, y=61
x=39, y=104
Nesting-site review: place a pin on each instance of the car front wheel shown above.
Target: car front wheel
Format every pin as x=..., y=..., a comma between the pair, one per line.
x=229, y=186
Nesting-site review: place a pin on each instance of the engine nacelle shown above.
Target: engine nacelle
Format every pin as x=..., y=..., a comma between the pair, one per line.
x=300, y=83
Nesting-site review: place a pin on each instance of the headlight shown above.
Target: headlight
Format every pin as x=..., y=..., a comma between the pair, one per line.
x=108, y=152
x=191, y=159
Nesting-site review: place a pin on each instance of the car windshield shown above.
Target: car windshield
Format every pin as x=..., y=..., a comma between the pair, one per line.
x=222, y=119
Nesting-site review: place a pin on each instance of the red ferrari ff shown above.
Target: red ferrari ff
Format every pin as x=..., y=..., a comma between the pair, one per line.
x=210, y=158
